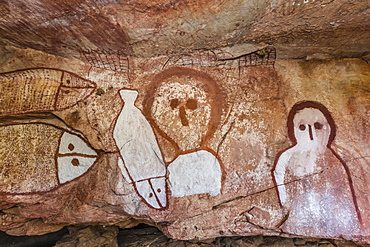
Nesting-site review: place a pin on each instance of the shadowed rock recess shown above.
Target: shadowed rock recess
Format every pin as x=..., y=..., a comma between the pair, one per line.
x=219, y=123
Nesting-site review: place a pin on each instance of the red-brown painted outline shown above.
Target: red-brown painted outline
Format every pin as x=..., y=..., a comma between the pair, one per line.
x=155, y=194
x=217, y=105
x=217, y=101
x=290, y=125
x=122, y=63
x=136, y=190
x=54, y=106
x=314, y=105
x=55, y=158
x=214, y=94
x=127, y=171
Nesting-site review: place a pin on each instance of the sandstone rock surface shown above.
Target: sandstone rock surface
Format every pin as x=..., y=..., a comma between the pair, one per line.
x=111, y=114
x=109, y=30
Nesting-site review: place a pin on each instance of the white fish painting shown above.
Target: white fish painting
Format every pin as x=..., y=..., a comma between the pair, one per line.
x=141, y=158
x=37, y=157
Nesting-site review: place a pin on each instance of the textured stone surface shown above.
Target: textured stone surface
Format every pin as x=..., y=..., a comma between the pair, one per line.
x=151, y=236
x=186, y=116
x=90, y=236
x=49, y=239
x=112, y=29
x=234, y=114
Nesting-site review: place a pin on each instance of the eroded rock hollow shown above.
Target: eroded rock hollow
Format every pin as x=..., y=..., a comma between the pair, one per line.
x=203, y=118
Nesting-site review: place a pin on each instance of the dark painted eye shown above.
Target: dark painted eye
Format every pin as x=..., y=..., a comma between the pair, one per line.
x=159, y=190
x=302, y=127
x=318, y=125
x=75, y=162
x=174, y=103
x=192, y=104
x=71, y=147
x=151, y=195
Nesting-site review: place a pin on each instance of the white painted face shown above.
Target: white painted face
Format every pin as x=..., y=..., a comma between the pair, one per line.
x=74, y=158
x=311, y=129
x=182, y=110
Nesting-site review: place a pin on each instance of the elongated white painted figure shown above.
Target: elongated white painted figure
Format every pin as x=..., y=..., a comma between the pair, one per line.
x=195, y=173
x=313, y=182
x=141, y=157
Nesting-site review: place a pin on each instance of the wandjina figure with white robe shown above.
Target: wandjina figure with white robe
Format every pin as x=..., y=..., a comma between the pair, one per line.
x=184, y=106
x=313, y=182
x=141, y=159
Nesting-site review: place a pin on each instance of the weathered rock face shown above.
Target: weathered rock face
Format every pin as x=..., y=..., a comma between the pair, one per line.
x=144, y=235
x=179, y=128
x=200, y=147
x=109, y=30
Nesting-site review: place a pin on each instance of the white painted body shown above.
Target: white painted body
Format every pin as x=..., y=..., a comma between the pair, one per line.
x=195, y=173
x=140, y=153
x=313, y=183
x=311, y=143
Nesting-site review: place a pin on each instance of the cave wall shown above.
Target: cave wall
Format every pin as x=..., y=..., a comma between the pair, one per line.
x=196, y=144
x=204, y=118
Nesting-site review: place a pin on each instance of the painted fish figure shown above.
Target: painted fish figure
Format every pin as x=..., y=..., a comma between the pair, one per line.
x=41, y=90
x=141, y=157
x=38, y=157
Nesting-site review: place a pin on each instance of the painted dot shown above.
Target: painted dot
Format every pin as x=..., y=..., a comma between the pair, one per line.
x=68, y=81
x=302, y=127
x=71, y=147
x=318, y=126
x=75, y=162
x=151, y=195
x=174, y=103
x=192, y=104
x=159, y=190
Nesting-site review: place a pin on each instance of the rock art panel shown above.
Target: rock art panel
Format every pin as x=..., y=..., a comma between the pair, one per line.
x=38, y=157
x=41, y=90
x=184, y=106
x=314, y=184
x=191, y=147
x=141, y=159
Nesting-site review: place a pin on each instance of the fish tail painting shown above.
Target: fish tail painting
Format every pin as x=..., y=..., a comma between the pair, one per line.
x=41, y=90
x=313, y=182
x=141, y=157
x=38, y=157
